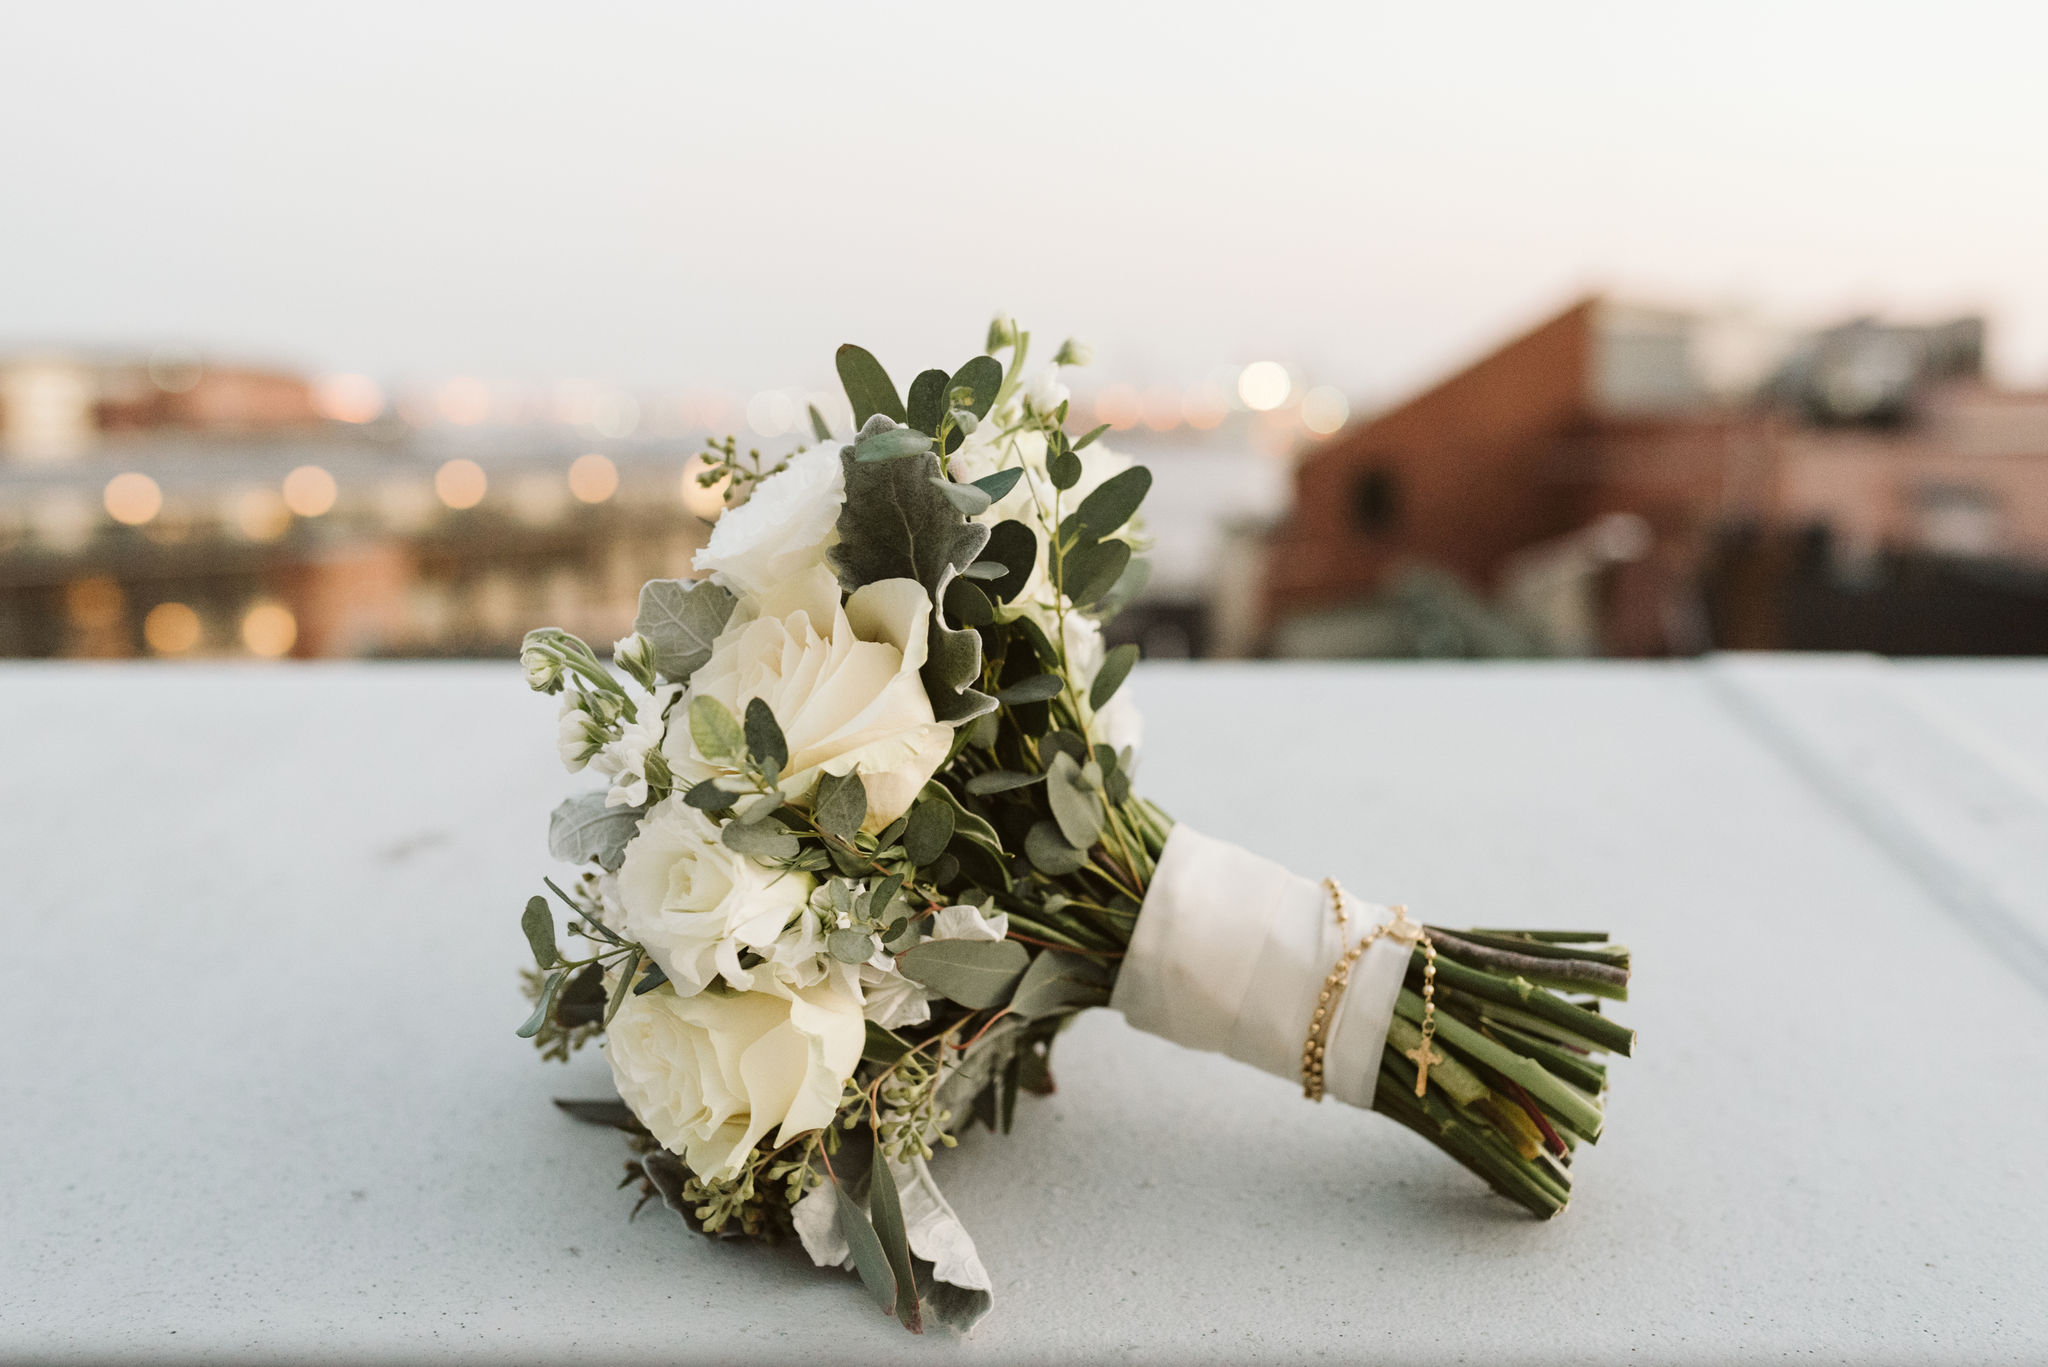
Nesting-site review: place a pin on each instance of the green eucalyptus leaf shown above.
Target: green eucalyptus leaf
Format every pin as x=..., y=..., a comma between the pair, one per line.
x=886, y=1208
x=974, y=973
x=1063, y=468
x=1058, y=983
x=850, y=946
x=768, y=840
x=840, y=805
x=820, y=429
x=765, y=743
x=1091, y=571
x=1074, y=808
x=967, y=605
x=1109, y=506
x=1037, y=688
x=709, y=797
x=654, y=977
x=985, y=569
x=999, y=484
x=1050, y=851
x=1093, y=433
x=883, y=1046
x=585, y=828
x=1001, y=781
x=868, y=387
x=622, y=986
x=539, y=924
x=545, y=1006
x=983, y=378
x=930, y=828
x=927, y=406
x=1014, y=546
x=582, y=1001
x=715, y=730
x=868, y=1258
x=681, y=619
x=1116, y=666
x=966, y=497
x=1128, y=586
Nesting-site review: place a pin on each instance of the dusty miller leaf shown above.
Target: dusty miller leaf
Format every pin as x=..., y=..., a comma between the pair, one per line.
x=681, y=619
x=584, y=828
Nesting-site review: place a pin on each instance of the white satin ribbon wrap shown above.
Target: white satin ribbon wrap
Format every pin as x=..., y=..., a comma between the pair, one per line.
x=1230, y=951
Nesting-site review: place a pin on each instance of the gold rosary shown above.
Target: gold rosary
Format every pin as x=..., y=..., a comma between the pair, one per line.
x=1401, y=928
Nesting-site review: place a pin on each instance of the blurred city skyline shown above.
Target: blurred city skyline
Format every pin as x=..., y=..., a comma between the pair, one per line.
x=668, y=199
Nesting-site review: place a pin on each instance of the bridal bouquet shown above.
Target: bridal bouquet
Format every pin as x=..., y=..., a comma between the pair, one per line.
x=868, y=839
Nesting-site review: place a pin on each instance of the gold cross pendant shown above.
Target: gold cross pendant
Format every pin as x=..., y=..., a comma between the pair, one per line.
x=1423, y=1056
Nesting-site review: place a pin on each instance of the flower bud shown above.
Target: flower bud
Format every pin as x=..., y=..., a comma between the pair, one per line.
x=1073, y=352
x=634, y=653
x=578, y=736
x=1002, y=332
x=543, y=667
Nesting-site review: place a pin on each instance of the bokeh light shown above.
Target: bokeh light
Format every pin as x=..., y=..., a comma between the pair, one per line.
x=464, y=401
x=133, y=498
x=309, y=491
x=1161, y=409
x=1206, y=409
x=771, y=413
x=593, y=478
x=460, y=483
x=171, y=628
x=1324, y=410
x=269, y=629
x=347, y=398
x=1120, y=406
x=262, y=514
x=1264, y=385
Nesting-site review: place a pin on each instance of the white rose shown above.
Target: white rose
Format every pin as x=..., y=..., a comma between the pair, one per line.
x=842, y=682
x=784, y=529
x=709, y=1075
x=695, y=903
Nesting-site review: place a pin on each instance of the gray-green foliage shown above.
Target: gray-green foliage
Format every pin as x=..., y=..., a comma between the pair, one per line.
x=681, y=619
x=585, y=827
x=974, y=973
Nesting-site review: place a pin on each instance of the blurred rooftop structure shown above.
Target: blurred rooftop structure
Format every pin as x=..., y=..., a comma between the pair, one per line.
x=1637, y=481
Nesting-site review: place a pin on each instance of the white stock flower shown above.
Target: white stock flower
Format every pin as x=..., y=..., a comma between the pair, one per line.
x=966, y=922
x=695, y=903
x=1044, y=392
x=578, y=735
x=624, y=760
x=891, y=1000
x=783, y=530
x=709, y=1075
x=842, y=682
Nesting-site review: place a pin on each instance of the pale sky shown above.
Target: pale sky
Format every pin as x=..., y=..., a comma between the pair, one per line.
x=674, y=194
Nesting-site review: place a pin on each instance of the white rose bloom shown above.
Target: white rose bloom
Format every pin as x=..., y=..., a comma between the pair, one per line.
x=695, y=903
x=842, y=682
x=783, y=530
x=709, y=1075
x=624, y=760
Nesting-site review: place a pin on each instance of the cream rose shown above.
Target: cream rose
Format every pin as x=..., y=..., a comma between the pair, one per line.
x=841, y=680
x=709, y=1075
x=695, y=904
x=783, y=530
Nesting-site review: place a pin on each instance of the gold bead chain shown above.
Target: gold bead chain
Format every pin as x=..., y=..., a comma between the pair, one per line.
x=1317, y=1043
